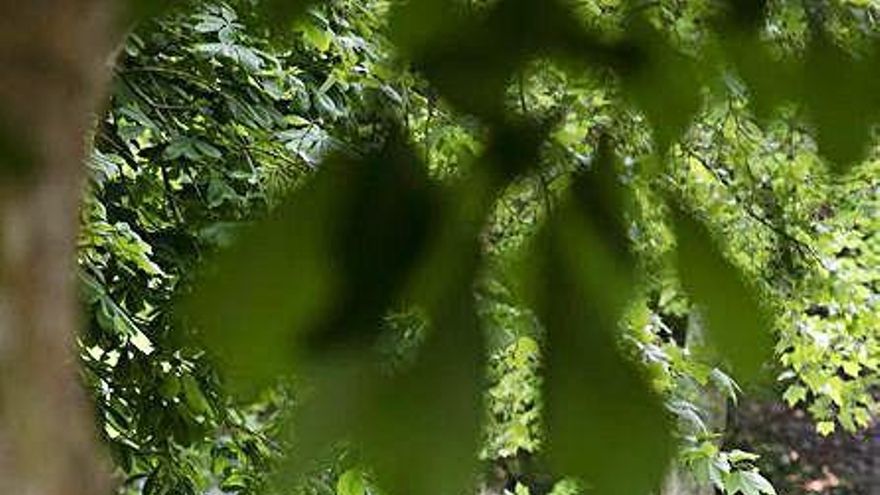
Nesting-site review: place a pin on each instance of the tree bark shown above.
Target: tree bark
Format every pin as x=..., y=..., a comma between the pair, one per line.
x=53, y=69
x=679, y=481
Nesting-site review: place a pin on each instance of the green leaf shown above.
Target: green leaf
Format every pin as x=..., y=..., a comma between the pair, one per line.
x=725, y=384
x=595, y=399
x=737, y=482
x=831, y=80
x=182, y=147
x=435, y=34
x=207, y=149
x=195, y=398
x=318, y=38
x=794, y=394
x=758, y=482
x=141, y=342
x=825, y=428
x=170, y=387
x=280, y=15
x=432, y=406
x=851, y=368
x=771, y=81
x=351, y=482
x=299, y=277
x=665, y=85
x=435, y=406
x=737, y=455
x=737, y=323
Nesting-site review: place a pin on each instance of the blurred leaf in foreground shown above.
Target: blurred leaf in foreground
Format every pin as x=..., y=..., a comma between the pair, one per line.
x=321, y=270
x=417, y=427
x=737, y=323
x=281, y=14
x=604, y=423
x=835, y=89
x=663, y=82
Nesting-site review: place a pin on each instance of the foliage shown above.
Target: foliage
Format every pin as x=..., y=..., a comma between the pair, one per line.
x=615, y=209
x=208, y=126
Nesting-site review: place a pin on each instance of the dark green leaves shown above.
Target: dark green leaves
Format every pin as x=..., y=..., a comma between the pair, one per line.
x=745, y=15
x=737, y=322
x=459, y=53
x=769, y=78
x=434, y=406
x=280, y=280
x=604, y=424
x=839, y=95
x=312, y=284
x=662, y=81
x=139, y=9
x=417, y=427
x=322, y=269
x=833, y=86
x=281, y=13
x=274, y=13
x=422, y=432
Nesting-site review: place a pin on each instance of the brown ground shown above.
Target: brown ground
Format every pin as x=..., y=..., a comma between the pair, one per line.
x=799, y=461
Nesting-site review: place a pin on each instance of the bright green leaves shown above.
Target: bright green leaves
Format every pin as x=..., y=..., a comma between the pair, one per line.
x=351, y=482
x=737, y=322
x=732, y=472
x=748, y=483
x=794, y=395
x=604, y=424
x=305, y=289
x=825, y=428
x=513, y=400
x=318, y=38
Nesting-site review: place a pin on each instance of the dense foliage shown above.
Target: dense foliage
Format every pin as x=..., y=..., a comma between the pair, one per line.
x=403, y=212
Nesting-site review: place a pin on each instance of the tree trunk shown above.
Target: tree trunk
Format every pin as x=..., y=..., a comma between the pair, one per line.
x=679, y=481
x=53, y=55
